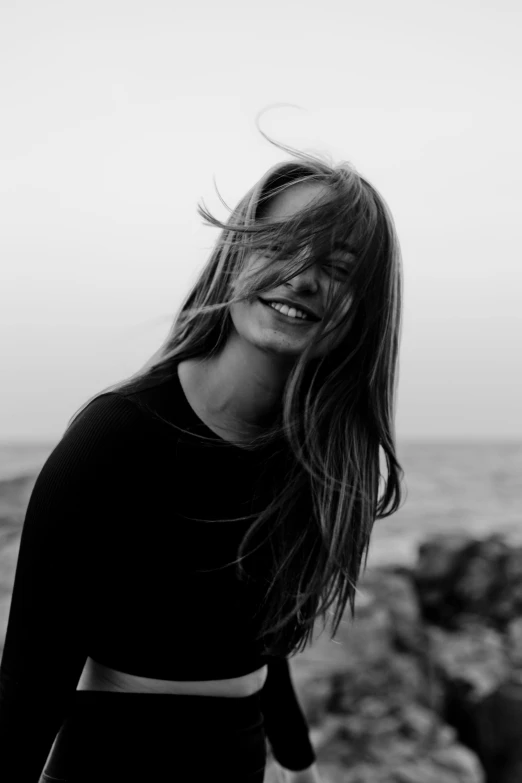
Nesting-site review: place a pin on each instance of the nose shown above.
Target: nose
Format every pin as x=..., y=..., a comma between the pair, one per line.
x=306, y=279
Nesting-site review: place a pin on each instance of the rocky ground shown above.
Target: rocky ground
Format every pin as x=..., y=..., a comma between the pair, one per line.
x=425, y=686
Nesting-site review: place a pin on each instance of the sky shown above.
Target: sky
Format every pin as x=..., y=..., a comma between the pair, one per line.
x=117, y=118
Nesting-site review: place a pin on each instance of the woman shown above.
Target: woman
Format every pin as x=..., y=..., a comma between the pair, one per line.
x=196, y=520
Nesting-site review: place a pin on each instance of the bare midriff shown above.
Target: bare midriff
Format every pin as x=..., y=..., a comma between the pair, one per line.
x=97, y=677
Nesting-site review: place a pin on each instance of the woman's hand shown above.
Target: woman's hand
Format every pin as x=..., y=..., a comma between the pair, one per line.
x=309, y=775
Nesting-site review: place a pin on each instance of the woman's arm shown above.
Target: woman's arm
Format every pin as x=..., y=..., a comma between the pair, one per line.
x=46, y=646
x=285, y=724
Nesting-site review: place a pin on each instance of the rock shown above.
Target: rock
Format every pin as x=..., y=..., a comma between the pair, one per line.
x=506, y=600
x=395, y=590
x=479, y=575
x=316, y=696
x=472, y=590
x=514, y=645
x=498, y=720
x=376, y=721
x=382, y=752
x=474, y=655
x=459, y=577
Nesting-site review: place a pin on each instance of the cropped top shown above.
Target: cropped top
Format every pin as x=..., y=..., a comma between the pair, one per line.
x=121, y=559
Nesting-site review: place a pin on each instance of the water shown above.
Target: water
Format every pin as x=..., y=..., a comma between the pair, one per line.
x=474, y=487
x=22, y=458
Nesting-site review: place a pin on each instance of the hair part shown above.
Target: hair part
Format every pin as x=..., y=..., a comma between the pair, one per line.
x=337, y=411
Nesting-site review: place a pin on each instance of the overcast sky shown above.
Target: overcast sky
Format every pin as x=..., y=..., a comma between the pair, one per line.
x=116, y=116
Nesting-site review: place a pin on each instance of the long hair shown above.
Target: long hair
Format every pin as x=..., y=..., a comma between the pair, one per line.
x=337, y=411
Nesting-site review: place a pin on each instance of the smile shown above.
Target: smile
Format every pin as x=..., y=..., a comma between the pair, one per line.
x=295, y=320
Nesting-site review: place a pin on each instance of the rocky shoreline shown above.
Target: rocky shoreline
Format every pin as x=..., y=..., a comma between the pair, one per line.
x=425, y=686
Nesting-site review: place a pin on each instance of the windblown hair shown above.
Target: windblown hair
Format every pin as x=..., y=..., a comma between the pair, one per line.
x=337, y=411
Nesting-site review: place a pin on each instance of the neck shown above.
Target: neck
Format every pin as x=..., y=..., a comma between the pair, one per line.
x=239, y=390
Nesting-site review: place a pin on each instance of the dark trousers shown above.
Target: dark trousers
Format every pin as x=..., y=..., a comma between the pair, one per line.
x=131, y=737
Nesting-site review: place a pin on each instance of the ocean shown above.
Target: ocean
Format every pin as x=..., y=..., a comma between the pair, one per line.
x=475, y=487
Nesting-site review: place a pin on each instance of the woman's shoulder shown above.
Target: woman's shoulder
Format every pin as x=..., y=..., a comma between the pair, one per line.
x=127, y=414
x=95, y=438
x=107, y=423
x=108, y=413
x=136, y=402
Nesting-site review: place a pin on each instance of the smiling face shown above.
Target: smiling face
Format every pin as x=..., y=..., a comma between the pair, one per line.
x=258, y=323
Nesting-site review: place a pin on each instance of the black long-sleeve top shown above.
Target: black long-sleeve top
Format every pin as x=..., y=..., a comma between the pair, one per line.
x=116, y=564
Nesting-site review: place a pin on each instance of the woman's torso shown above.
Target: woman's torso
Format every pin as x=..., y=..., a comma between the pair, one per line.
x=97, y=677
x=181, y=554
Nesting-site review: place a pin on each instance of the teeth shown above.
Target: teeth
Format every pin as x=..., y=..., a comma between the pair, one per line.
x=291, y=311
